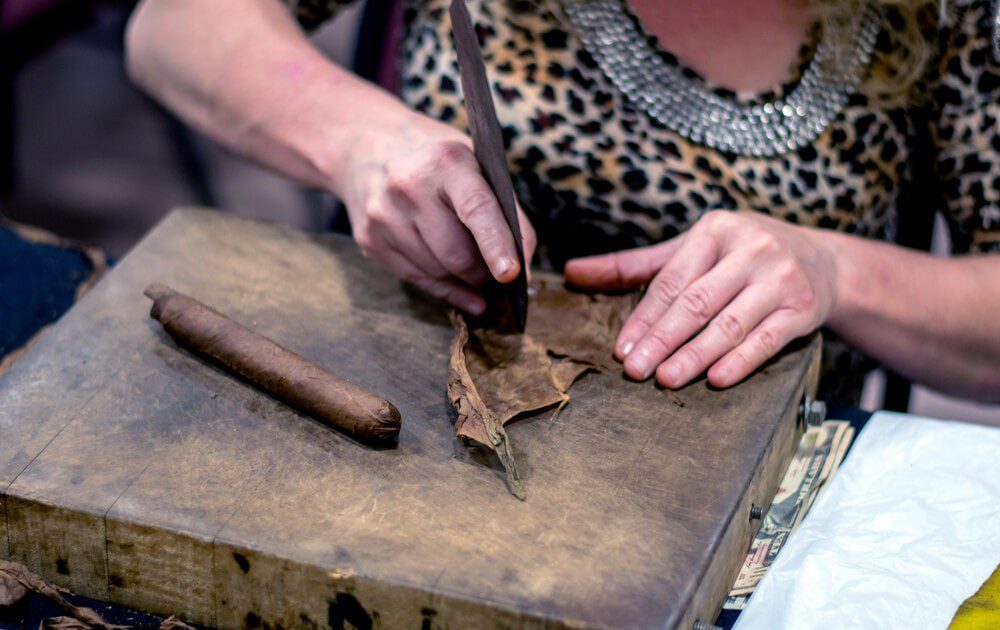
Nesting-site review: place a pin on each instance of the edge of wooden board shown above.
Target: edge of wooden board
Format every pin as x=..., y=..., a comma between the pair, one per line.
x=706, y=602
x=66, y=547
x=72, y=548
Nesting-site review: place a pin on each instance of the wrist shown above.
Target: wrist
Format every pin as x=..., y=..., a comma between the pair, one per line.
x=846, y=264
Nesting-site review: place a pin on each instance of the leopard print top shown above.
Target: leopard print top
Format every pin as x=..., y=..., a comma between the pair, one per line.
x=597, y=174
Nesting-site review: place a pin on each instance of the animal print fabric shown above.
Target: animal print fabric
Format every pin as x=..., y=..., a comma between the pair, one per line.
x=597, y=174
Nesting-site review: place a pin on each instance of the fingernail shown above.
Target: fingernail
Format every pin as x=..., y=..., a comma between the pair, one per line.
x=503, y=266
x=627, y=348
x=640, y=364
x=673, y=373
x=723, y=373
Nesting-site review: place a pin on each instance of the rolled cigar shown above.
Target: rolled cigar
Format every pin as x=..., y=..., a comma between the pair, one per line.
x=299, y=383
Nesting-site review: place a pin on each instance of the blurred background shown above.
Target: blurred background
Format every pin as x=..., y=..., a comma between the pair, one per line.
x=86, y=156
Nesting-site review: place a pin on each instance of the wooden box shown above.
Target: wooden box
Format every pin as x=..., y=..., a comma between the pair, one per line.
x=133, y=472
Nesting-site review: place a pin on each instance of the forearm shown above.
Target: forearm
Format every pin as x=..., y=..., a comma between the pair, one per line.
x=242, y=72
x=933, y=320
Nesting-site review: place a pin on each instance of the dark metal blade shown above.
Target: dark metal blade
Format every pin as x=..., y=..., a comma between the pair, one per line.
x=487, y=142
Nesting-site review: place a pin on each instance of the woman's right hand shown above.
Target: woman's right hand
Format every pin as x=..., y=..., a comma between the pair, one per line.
x=417, y=200
x=419, y=205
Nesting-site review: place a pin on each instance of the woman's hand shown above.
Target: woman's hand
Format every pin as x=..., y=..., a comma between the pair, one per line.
x=420, y=206
x=417, y=200
x=725, y=296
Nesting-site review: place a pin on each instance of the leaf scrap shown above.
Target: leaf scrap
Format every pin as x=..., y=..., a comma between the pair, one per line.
x=16, y=581
x=495, y=376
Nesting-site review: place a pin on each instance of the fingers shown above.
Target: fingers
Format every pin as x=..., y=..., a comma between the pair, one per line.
x=693, y=307
x=692, y=259
x=621, y=270
x=466, y=192
x=770, y=336
x=410, y=259
x=451, y=245
x=726, y=331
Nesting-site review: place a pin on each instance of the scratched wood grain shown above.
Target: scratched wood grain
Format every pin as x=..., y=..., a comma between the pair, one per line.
x=132, y=471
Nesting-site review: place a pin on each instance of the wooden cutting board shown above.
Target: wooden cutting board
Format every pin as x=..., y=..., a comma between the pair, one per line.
x=133, y=472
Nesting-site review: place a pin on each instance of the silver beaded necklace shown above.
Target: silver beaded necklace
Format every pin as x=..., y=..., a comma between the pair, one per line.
x=996, y=30
x=694, y=111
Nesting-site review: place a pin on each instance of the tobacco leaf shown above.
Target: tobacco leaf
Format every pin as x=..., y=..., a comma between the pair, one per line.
x=16, y=581
x=63, y=623
x=497, y=376
x=12, y=589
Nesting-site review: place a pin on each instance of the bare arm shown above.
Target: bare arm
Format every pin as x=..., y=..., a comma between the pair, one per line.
x=933, y=320
x=242, y=72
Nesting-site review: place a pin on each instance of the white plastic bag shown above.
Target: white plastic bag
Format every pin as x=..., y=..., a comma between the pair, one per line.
x=908, y=528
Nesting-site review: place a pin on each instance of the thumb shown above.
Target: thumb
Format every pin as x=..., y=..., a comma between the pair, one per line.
x=622, y=270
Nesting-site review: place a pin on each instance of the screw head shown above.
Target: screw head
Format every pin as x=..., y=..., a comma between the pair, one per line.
x=815, y=413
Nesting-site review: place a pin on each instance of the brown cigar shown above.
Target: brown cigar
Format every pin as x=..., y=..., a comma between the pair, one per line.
x=280, y=372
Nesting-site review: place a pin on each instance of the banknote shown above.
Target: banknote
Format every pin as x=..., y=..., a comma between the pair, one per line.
x=819, y=454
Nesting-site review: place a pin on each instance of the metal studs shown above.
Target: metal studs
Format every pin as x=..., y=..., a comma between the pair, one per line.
x=815, y=413
x=694, y=111
x=812, y=413
x=995, y=7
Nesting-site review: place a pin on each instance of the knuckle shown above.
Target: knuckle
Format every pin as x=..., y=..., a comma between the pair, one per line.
x=475, y=205
x=731, y=327
x=402, y=182
x=693, y=354
x=788, y=271
x=739, y=361
x=665, y=288
x=767, y=343
x=806, y=301
x=696, y=302
x=658, y=336
x=763, y=242
x=423, y=282
x=715, y=216
x=377, y=217
x=718, y=220
x=644, y=316
x=459, y=261
x=450, y=155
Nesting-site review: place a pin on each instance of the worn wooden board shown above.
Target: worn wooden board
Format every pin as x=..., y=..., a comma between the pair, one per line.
x=132, y=471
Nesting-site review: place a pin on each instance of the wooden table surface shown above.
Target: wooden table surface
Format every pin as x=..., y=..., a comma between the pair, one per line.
x=134, y=472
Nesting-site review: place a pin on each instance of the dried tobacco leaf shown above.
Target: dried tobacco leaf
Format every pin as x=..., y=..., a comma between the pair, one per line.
x=17, y=580
x=63, y=623
x=496, y=376
x=12, y=589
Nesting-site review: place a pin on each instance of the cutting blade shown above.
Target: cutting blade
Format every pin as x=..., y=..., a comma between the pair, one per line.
x=487, y=142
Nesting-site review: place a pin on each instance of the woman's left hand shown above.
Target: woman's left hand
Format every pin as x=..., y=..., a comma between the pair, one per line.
x=725, y=296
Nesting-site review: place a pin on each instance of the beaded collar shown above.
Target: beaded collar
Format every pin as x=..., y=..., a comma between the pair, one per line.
x=625, y=54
